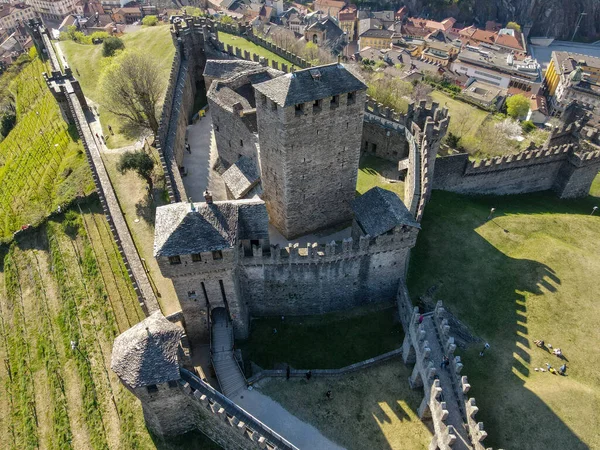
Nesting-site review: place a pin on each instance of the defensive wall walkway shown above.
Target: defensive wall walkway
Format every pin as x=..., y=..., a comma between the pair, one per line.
x=62, y=87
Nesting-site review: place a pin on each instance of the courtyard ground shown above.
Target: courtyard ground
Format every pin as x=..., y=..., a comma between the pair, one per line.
x=530, y=273
x=375, y=171
x=327, y=341
x=245, y=44
x=370, y=409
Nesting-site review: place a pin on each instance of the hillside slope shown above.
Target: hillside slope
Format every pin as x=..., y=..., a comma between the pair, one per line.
x=556, y=18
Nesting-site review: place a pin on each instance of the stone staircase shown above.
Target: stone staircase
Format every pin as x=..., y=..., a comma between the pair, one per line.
x=230, y=376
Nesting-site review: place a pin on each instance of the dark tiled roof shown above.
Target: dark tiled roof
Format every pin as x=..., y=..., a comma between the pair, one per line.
x=253, y=220
x=241, y=177
x=379, y=210
x=223, y=69
x=377, y=33
x=181, y=231
x=305, y=85
x=147, y=353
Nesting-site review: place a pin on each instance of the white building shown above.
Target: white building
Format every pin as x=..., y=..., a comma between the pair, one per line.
x=14, y=16
x=53, y=9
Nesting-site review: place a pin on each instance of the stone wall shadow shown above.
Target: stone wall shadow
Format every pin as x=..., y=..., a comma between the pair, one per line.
x=484, y=288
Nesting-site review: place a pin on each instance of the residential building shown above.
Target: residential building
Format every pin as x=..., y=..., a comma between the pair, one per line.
x=493, y=66
x=329, y=7
x=53, y=9
x=13, y=16
x=440, y=53
x=127, y=15
x=486, y=95
x=430, y=26
x=573, y=76
x=538, y=109
x=347, y=18
x=326, y=33
x=375, y=38
x=401, y=13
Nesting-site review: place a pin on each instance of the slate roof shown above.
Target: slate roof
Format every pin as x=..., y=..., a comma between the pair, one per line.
x=383, y=34
x=301, y=86
x=147, y=353
x=241, y=177
x=179, y=230
x=378, y=210
x=223, y=69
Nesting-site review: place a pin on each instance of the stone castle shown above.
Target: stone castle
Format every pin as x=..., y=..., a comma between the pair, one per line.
x=289, y=143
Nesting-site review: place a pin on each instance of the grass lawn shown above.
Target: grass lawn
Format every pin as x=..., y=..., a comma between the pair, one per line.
x=470, y=122
x=531, y=273
x=327, y=341
x=372, y=172
x=135, y=204
x=87, y=63
x=370, y=409
x=244, y=44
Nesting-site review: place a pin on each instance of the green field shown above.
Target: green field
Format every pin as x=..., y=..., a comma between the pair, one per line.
x=531, y=273
x=66, y=282
x=371, y=409
x=42, y=164
x=471, y=125
x=343, y=338
x=87, y=63
x=244, y=44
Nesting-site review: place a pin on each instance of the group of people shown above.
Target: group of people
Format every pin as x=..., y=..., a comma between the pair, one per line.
x=556, y=352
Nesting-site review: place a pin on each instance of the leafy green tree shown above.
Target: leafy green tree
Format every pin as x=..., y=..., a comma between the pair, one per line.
x=150, y=21
x=227, y=20
x=132, y=87
x=139, y=162
x=99, y=36
x=517, y=106
x=111, y=45
x=194, y=12
x=514, y=26
x=528, y=126
x=8, y=120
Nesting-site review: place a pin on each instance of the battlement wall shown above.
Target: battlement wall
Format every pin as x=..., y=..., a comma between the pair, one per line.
x=460, y=382
x=564, y=169
x=225, y=422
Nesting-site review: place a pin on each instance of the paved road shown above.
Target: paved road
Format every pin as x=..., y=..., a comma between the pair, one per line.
x=280, y=420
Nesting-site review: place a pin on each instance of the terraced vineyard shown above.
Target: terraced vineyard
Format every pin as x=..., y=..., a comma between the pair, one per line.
x=64, y=296
x=42, y=164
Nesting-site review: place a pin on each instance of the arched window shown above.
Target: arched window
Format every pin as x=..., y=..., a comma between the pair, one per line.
x=314, y=39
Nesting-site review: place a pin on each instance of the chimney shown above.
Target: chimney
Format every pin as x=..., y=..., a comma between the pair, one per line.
x=208, y=197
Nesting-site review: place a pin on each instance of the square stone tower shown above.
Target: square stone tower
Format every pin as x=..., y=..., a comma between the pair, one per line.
x=310, y=127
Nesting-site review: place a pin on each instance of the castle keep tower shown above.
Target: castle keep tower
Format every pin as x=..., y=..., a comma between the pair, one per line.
x=310, y=127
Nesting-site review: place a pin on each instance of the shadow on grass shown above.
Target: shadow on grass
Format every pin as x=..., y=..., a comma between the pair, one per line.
x=192, y=439
x=487, y=290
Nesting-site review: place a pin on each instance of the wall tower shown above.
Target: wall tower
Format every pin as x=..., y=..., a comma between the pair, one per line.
x=310, y=127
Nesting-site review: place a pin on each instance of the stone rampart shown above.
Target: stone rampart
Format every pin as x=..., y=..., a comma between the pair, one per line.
x=565, y=169
x=460, y=383
x=225, y=422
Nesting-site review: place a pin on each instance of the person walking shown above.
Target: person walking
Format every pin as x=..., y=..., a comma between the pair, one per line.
x=445, y=362
x=308, y=375
x=328, y=395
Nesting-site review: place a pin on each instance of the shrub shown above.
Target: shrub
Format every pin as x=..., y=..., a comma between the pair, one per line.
x=99, y=36
x=111, y=45
x=528, y=126
x=149, y=21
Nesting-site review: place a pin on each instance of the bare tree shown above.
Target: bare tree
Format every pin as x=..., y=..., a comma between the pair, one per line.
x=421, y=91
x=132, y=88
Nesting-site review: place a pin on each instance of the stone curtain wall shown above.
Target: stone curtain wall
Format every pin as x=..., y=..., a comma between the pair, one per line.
x=383, y=138
x=248, y=33
x=563, y=169
x=318, y=279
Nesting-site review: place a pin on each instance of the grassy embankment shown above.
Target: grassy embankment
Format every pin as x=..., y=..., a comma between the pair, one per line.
x=42, y=164
x=531, y=273
x=244, y=44
x=87, y=63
